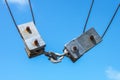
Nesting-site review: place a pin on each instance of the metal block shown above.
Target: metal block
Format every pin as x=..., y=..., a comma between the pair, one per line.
x=32, y=39
x=77, y=47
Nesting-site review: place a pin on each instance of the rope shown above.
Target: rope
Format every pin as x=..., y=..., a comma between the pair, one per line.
x=111, y=21
x=88, y=16
x=32, y=12
x=11, y=15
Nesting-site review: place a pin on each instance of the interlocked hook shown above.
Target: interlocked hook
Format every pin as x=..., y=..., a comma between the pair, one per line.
x=55, y=57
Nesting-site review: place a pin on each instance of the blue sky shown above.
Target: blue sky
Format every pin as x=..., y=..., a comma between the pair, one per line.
x=59, y=21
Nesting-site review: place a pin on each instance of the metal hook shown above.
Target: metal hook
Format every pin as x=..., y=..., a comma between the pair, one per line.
x=56, y=61
x=55, y=57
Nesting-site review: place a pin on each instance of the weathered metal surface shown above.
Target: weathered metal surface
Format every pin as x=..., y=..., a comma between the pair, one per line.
x=77, y=47
x=32, y=39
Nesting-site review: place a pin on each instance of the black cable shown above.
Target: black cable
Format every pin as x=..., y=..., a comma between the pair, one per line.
x=88, y=16
x=32, y=12
x=11, y=14
x=111, y=21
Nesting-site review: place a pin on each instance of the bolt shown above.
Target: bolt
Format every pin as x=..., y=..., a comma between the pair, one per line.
x=92, y=38
x=36, y=43
x=28, y=30
x=74, y=49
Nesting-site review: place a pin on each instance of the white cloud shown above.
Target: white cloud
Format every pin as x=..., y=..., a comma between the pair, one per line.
x=20, y=2
x=112, y=74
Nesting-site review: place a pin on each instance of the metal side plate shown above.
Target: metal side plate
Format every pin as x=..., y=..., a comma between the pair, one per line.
x=32, y=39
x=77, y=47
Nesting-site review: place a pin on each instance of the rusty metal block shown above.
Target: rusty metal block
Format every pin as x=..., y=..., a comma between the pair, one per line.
x=77, y=47
x=32, y=39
